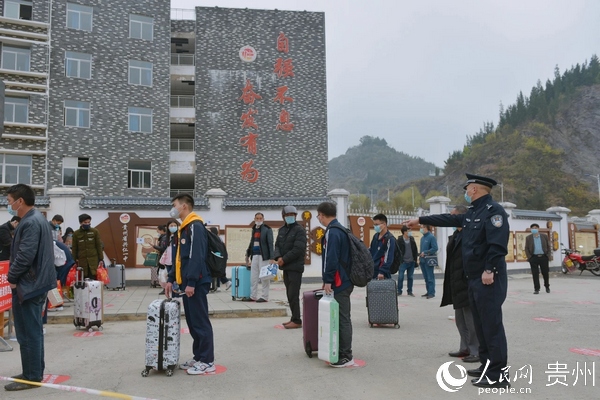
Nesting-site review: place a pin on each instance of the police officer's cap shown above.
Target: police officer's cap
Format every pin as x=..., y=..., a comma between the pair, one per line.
x=482, y=180
x=289, y=210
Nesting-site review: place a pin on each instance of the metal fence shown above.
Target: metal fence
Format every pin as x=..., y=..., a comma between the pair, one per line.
x=183, y=14
x=175, y=192
x=183, y=145
x=183, y=101
x=182, y=59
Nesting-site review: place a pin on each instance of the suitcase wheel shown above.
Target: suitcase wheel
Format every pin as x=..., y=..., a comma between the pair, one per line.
x=169, y=372
x=101, y=328
x=397, y=326
x=371, y=325
x=233, y=298
x=145, y=372
x=308, y=349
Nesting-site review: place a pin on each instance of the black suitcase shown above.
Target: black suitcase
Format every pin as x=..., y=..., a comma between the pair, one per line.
x=382, y=302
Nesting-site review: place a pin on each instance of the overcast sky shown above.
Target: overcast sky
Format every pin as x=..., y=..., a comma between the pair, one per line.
x=425, y=74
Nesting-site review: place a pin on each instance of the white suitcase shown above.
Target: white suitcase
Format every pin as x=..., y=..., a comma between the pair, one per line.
x=88, y=303
x=162, y=336
x=329, y=321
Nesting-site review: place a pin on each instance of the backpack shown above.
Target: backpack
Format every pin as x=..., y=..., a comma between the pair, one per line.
x=397, y=258
x=361, y=262
x=60, y=258
x=217, y=256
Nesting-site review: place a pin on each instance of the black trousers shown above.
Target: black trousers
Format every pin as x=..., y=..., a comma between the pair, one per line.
x=538, y=263
x=292, y=281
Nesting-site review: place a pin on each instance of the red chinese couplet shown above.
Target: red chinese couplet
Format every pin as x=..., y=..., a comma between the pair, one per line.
x=5, y=290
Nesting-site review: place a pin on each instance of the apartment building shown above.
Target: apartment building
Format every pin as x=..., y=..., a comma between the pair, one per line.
x=130, y=99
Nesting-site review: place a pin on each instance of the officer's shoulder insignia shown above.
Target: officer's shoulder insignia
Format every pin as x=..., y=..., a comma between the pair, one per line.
x=489, y=206
x=496, y=221
x=183, y=240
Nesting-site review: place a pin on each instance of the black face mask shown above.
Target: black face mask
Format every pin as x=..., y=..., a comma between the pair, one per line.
x=85, y=227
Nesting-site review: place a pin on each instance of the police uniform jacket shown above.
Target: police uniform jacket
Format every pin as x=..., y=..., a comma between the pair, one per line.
x=485, y=235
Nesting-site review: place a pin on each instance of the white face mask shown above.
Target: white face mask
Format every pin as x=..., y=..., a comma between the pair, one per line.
x=258, y=223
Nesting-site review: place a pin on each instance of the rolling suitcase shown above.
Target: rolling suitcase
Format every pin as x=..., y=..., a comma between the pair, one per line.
x=162, y=336
x=329, y=321
x=240, y=285
x=88, y=307
x=382, y=302
x=310, y=320
x=116, y=274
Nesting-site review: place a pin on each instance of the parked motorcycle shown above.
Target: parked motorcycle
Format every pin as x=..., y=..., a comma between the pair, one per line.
x=574, y=261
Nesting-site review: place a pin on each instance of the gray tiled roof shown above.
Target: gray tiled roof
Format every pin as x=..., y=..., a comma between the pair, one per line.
x=40, y=201
x=534, y=214
x=134, y=202
x=269, y=202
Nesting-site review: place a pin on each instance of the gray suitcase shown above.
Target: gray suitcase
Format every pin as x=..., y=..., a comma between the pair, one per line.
x=116, y=274
x=382, y=303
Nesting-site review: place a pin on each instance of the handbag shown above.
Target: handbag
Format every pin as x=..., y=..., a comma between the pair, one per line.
x=151, y=260
x=268, y=271
x=431, y=261
x=163, y=275
x=166, y=258
x=72, y=275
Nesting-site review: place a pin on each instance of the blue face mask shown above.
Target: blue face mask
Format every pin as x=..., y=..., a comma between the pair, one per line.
x=11, y=211
x=377, y=228
x=290, y=219
x=534, y=231
x=409, y=233
x=453, y=228
x=172, y=229
x=422, y=231
x=468, y=198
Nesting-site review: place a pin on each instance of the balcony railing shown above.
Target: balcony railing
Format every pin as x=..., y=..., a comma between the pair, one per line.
x=175, y=192
x=182, y=59
x=183, y=14
x=182, y=145
x=183, y=101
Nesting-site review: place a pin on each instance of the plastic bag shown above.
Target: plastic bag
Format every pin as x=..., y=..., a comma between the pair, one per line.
x=163, y=275
x=102, y=274
x=72, y=275
x=268, y=271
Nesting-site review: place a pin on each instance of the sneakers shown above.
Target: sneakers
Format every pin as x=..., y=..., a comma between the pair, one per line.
x=188, y=364
x=201, y=368
x=61, y=308
x=343, y=362
x=227, y=285
x=261, y=300
x=411, y=295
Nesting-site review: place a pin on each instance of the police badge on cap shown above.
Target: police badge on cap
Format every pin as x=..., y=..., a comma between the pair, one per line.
x=482, y=180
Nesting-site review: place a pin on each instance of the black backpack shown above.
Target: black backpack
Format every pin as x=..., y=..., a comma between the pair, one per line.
x=361, y=262
x=217, y=256
x=397, y=258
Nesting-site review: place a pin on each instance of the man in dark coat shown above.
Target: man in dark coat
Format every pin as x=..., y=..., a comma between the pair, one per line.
x=290, y=248
x=7, y=231
x=456, y=292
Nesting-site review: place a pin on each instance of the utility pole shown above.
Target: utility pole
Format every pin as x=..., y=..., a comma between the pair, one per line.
x=501, y=191
x=413, y=195
x=388, y=195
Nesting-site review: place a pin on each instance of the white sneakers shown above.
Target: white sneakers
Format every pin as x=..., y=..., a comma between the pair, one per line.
x=201, y=368
x=227, y=285
x=194, y=367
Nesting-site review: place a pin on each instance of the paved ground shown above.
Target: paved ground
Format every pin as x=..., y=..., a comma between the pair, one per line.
x=265, y=362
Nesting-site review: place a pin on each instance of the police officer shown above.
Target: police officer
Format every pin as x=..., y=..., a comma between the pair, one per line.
x=484, y=246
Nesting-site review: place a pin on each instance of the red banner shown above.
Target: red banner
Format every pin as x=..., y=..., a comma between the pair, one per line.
x=5, y=290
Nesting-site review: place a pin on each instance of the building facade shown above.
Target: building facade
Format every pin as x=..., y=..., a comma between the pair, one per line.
x=133, y=100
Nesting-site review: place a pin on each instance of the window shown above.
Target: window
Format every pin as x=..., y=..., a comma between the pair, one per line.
x=140, y=119
x=140, y=27
x=18, y=9
x=140, y=73
x=76, y=171
x=140, y=175
x=77, y=113
x=78, y=65
x=15, y=58
x=16, y=109
x=15, y=169
x=79, y=17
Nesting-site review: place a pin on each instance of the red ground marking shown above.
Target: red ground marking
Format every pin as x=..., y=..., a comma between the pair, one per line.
x=114, y=294
x=544, y=319
x=513, y=293
x=109, y=305
x=586, y=352
x=87, y=334
x=583, y=302
x=55, y=379
x=357, y=364
x=220, y=370
x=185, y=330
x=402, y=305
x=278, y=289
x=525, y=302
x=279, y=326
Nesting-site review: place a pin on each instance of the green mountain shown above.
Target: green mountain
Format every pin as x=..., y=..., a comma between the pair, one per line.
x=366, y=167
x=545, y=150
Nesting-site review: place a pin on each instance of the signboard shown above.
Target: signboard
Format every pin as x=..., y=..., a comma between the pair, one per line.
x=5, y=290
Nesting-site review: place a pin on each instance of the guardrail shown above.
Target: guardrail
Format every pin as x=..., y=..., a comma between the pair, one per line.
x=182, y=145
x=183, y=101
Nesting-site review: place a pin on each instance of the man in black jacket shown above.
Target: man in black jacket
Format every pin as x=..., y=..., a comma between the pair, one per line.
x=290, y=247
x=456, y=292
x=409, y=255
x=7, y=231
x=258, y=254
